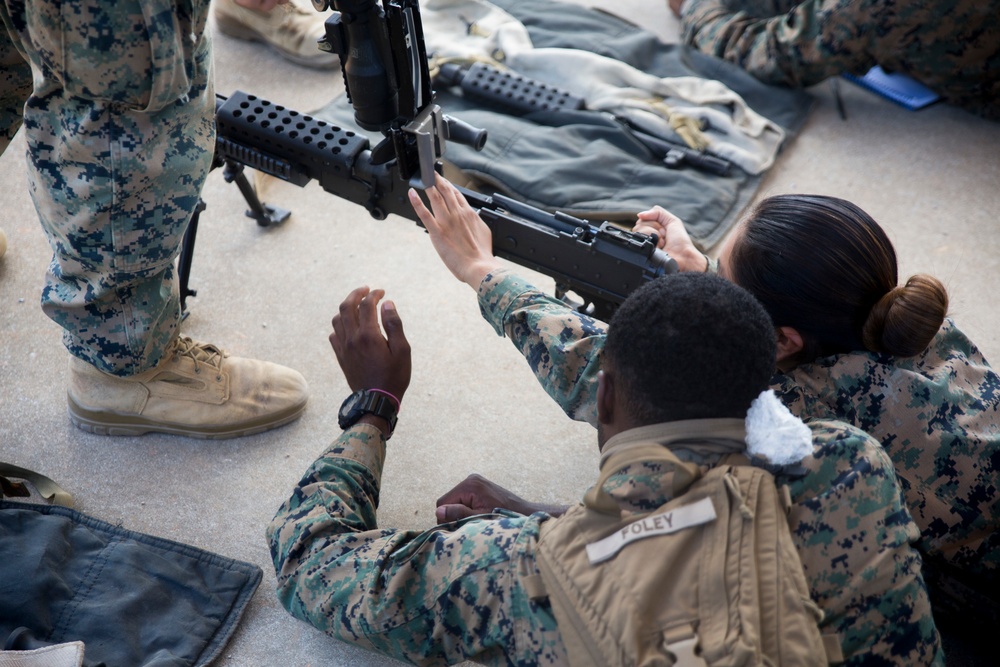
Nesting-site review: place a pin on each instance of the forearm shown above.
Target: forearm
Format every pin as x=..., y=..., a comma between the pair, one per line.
x=405, y=594
x=811, y=42
x=329, y=515
x=562, y=347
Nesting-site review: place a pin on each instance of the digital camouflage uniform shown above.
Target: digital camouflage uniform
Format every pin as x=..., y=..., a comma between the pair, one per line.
x=430, y=597
x=454, y=591
x=119, y=124
x=952, y=46
x=936, y=414
x=853, y=532
x=938, y=417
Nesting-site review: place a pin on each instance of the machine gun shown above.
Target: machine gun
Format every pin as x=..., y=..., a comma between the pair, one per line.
x=385, y=71
x=520, y=94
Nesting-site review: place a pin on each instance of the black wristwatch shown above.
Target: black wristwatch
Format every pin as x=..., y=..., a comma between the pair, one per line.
x=368, y=401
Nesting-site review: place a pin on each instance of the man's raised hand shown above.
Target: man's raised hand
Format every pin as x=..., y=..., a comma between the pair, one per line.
x=369, y=359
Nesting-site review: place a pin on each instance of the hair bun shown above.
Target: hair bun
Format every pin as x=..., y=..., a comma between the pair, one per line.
x=906, y=319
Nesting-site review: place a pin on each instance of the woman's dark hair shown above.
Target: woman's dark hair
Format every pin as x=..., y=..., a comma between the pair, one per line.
x=825, y=267
x=690, y=346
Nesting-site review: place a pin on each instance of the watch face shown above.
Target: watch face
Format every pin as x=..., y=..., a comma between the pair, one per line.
x=350, y=402
x=350, y=409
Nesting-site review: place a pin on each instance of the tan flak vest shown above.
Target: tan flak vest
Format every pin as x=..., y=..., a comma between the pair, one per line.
x=710, y=578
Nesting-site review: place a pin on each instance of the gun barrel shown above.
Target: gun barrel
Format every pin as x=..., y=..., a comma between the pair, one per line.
x=520, y=94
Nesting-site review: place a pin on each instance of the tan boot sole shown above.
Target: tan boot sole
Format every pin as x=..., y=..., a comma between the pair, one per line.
x=109, y=423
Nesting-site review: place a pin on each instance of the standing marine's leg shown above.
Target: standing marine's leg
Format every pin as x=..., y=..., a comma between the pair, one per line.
x=120, y=134
x=15, y=86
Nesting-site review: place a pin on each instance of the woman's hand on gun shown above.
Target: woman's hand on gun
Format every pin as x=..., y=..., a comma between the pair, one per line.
x=459, y=235
x=673, y=238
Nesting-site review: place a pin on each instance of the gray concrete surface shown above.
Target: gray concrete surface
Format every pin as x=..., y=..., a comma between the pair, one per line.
x=932, y=179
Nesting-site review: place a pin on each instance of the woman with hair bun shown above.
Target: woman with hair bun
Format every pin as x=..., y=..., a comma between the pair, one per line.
x=856, y=345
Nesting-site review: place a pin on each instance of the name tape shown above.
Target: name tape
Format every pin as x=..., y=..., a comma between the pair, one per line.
x=665, y=523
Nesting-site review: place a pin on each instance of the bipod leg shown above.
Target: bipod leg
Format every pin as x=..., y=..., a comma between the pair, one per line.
x=186, y=256
x=265, y=214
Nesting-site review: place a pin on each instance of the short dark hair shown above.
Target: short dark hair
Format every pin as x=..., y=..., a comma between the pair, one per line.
x=825, y=267
x=690, y=346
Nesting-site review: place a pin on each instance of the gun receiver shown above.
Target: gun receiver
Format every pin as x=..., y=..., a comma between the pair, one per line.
x=602, y=265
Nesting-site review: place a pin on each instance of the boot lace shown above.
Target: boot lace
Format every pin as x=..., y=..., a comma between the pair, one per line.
x=201, y=353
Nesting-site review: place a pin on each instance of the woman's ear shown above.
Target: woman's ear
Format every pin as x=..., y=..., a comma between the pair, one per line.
x=789, y=343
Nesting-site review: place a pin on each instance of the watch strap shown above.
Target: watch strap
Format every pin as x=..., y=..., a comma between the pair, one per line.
x=374, y=402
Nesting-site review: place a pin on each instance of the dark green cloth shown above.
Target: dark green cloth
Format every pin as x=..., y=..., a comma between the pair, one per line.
x=584, y=164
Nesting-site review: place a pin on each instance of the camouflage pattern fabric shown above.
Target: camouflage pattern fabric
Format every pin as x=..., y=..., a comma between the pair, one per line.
x=938, y=416
x=850, y=523
x=952, y=46
x=120, y=131
x=455, y=592
x=431, y=597
x=855, y=537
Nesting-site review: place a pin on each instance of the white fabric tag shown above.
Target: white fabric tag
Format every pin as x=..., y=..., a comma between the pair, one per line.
x=661, y=523
x=69, y=654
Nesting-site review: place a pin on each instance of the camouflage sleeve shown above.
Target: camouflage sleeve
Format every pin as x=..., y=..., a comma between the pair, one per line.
x=562, y=346
x=438, y=596
x=800, y=46
x=854, y=535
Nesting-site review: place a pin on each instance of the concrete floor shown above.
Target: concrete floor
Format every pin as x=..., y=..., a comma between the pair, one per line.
x=931, y=178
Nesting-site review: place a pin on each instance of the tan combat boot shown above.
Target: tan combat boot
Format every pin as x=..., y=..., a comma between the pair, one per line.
x=292, y=29
x=197, y=390
x=3, y=243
